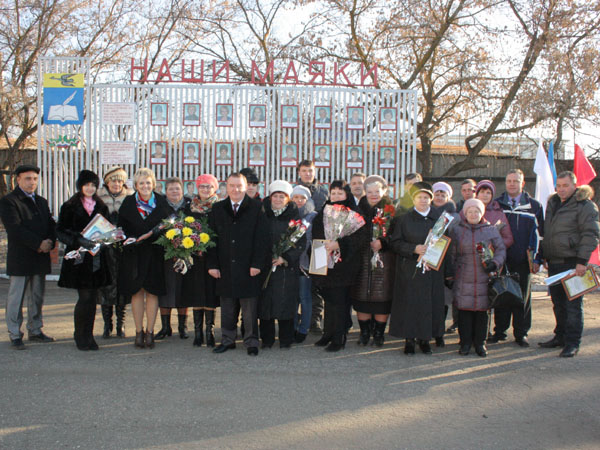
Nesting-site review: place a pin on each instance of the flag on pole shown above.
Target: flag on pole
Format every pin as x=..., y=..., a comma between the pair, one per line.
x=544, y=185
x=582, y=168
x=551, y=161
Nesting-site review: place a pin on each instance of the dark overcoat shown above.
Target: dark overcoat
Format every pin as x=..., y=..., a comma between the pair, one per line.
x=142, y=264
x=280, y=298
x=93, y=272
x=418, y=304
x=27, y=224
x=242, y=243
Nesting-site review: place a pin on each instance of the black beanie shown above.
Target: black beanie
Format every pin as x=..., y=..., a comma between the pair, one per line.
x=250, y=174
x=85, y=177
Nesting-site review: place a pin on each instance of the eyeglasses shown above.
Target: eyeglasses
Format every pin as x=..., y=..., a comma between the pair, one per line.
x=204, y=186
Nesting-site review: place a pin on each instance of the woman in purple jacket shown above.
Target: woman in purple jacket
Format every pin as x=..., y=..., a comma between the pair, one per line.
x=472, y=274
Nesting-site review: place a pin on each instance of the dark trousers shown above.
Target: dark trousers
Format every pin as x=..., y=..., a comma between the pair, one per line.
x=85, y=314
x=336, y=313
x=317, y=308
x=568, y=313
x=286, y=331
x=521, y=317
x=229, y=319
x=472, y=326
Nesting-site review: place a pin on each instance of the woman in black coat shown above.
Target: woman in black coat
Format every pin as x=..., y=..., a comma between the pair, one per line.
x=418, y=304
x=279, y=300
x=142, y=272
x=89, y=273
x=335, y=286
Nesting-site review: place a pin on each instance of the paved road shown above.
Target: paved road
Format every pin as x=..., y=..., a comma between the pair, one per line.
x=180, y=397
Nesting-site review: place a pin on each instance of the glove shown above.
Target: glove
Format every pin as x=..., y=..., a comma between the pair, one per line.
x=85, y=243
x=490, y=266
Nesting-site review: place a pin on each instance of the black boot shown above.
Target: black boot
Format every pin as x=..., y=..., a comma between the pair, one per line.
x=409, y=347
x=198, y=336
x=378, y=334
x=165, y=330
x=182, y=328
x=365, y=332
x=209, y=320
x=80, y=341
x=120, y=313
x=107, y=316
x=89, y=328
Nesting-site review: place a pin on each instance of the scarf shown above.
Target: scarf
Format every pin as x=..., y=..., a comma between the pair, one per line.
x=176, y=206
x=203, y=206
x=145, y=208
x=88, y=204
x=278, y=212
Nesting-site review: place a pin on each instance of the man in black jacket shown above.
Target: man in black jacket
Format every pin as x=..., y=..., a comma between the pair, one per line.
x=31, y=236
x=571, y=234
x=242, y=242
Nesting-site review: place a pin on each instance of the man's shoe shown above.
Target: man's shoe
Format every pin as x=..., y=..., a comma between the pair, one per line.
x=41, y=337
x=552, y=343
x=299, y=338
x=409, y=347
x=464, y=350
x=439, y=342
x=495, y=338
x=425, y=347
x=252, y=351
x=569, y=351
x=17, y=344
x=522, y=342
x=222, y=348
x=452, y=328
x=333, y=347
x=481, y=350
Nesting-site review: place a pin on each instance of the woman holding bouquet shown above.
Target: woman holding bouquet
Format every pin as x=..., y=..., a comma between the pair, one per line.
x=335, y=286
x=279, y=297
x=198, y=287
x=142, y=270
x=471, y=278
x=373, y=288
x=173, y=280
x=418, y=304
x=90, y=272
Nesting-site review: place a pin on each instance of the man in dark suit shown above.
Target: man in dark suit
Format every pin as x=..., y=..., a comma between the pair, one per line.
x=31, y=236
x=242, y=242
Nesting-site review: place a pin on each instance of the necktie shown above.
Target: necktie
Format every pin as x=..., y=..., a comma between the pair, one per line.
x=513, y=203
x=235, y=208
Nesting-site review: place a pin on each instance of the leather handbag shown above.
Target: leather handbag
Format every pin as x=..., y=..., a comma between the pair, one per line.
x=504, y=291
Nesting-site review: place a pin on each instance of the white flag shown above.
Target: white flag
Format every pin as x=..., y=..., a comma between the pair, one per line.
x=544, y=183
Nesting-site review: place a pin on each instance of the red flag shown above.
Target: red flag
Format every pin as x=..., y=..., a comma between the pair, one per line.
x=582, y=168
x=595, y=258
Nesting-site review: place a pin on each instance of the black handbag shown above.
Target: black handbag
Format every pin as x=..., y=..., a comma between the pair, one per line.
x=504, y=291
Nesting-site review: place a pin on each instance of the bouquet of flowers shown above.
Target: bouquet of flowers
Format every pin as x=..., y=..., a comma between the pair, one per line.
x=184, y=237
x=438, y=230
x=485, y=252
x=339, y=221
x=295, y=230
x=101, y=232
x=381, y=223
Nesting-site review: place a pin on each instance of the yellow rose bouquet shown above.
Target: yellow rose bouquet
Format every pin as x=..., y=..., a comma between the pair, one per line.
x=183, y=237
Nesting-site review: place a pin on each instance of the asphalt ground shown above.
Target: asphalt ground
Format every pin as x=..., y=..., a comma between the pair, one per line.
x=180, y=397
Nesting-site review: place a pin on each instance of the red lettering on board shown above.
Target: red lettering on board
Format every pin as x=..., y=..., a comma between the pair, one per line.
x=164, y=71
x=192, y=78
x=144, y=68
x=315, y=75
x=216, y=72
x=337, y=72
x=371, y=72
x=291, y=68
x=269, y=73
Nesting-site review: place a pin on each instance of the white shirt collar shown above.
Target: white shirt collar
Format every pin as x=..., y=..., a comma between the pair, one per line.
x=424, y=214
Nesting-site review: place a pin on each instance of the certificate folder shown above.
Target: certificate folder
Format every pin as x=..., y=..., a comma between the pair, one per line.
x=318, y=258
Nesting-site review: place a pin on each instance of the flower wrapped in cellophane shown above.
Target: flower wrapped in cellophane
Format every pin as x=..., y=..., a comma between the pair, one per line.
x=101, y=233
x=184, y=236
x=381, y=225
x=295, y=230
x=339, y=221
x=438, y=230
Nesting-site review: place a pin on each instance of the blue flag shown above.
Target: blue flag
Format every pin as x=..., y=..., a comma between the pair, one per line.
x=551, y=161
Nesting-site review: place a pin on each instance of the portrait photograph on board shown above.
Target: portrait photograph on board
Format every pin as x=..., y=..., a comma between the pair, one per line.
x=386, y=157
x=191, y=114
x=356, y=118
x=289, y=116
x=158, y=152
x=257, y=154
x=322, y=117
x=224, y=114
x=322, y=155
x=257, y=116
x=289, y=155
x=159, y=114
x=191, y=153
x=223, y=155
x=354, y=157
x=387, y=119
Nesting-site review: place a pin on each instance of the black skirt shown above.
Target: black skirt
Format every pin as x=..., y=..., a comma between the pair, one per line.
x=372, y=307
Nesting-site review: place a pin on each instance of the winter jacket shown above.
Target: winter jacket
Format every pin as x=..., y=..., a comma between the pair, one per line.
x=526, y=222
x=470, y=280
x=571, y=229
x=493, y=214
x=113, y=202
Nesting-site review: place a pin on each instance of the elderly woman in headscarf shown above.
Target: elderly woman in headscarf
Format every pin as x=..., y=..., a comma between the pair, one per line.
x=198, y=287
x=112, y=194
x=442, y=197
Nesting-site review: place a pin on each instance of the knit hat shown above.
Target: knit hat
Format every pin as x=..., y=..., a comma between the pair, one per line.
x=250, y=174
x=207, y=178
x=301, y=190
x=115, y=173
x=280, y=186
x=486, y=184
x=85, y=177
x=474, y=202
x=372, y=178
x=442, y=186
x=421, y=186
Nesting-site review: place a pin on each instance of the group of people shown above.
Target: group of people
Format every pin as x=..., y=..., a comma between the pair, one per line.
x=374, y=270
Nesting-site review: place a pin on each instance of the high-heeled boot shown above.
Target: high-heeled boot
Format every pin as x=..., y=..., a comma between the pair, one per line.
x=108, y=323
x=198, y=336
x=365, y=332
x=140, y=339
x=165, y=330
x=379, y=333
x=182, y=328
x=209, y=320
x=120, y=314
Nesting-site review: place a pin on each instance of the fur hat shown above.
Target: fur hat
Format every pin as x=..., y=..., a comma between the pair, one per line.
x=474, y=202
x=85, y=177
x=250, y=174
x=280, y=186
x=301, y=190
x=487, y=184
x=421, y=186
x=115, y=173
x=442, y=186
